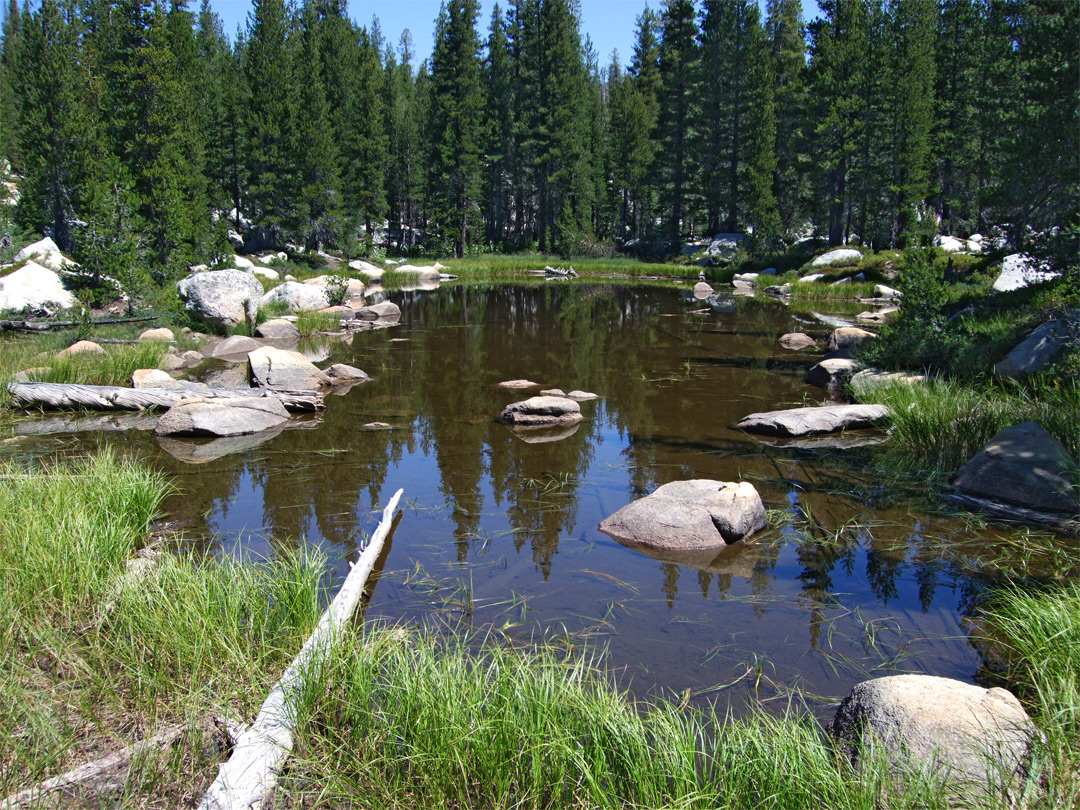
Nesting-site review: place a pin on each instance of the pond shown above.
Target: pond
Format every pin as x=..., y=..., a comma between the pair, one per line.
x=500, y=533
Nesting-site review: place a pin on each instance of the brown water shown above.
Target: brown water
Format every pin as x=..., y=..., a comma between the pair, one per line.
x=501, y=533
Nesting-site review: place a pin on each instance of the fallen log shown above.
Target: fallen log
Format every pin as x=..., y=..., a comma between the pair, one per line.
x=45, y=326
x=58, y=396
x=247, y=780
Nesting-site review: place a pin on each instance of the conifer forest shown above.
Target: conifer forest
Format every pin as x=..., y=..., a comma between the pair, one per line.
x=141, y=135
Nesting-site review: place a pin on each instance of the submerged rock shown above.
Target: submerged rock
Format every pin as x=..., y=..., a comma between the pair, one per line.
x=812, y=421
x=797, y=341
x=692, y=515
x=1025, y=466
x=518, y=384
x=221, y=417
x=965, y=733
x=541, y=411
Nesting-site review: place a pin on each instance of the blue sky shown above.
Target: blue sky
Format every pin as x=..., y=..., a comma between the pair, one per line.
x=610, y=23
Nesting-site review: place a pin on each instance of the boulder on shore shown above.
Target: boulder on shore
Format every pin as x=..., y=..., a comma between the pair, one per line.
x=843, y=257
x=44, y=252
x=1020, y=270
x=35, y=287
x=284, y=369
x=278, y=329
x=161, y=333
x=871, y=378
x=1041, y=348
x=1025, y=466
x=541, y=411
x=694, y=515
x=814, y=421
x=235, y=346
x=977, y=737
x=221, y=417
x=221, y=298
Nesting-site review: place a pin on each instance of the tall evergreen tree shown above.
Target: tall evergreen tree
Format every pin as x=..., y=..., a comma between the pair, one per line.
x=499, y=135
x=365, y=140
x=9, y=65
x=405, y=163
x=787, y=50
x=762, y=211
x=268, y=74
x=679, y=69
x=454, y=122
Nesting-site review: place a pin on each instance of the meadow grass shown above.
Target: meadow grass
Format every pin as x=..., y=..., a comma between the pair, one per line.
x=510, y=266
x=939, y=426
x=91, y=660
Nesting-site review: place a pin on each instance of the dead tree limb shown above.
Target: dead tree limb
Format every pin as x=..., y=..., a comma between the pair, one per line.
x=247, y=780
x=58, y=396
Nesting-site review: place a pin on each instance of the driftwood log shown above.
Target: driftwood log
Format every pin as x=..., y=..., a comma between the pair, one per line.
x=247, y=780
x=45, y=326
x=56, y=396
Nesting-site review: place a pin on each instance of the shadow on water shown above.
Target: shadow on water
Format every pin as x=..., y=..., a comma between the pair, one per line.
x=499, y=529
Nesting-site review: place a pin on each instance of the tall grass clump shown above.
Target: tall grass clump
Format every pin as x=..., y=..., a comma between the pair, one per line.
x=309, y=323
x=1038, y=634
x=402, y=718
x=940, y=425
x=94, y=655
x=114, y=366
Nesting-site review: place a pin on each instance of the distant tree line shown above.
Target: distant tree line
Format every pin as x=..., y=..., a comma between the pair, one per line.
x=141, y=132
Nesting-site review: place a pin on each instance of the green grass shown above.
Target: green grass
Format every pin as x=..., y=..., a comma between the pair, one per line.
x=310, y=323
x=510, y=266
x=89, y=663
x=939, y=426
x=824, y=291
x=1039, y=638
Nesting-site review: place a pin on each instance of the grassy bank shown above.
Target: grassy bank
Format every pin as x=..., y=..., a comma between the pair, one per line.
x=939, y=426
x=92, y=659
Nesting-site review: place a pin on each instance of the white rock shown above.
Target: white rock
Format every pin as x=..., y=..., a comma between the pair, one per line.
x=811, y=277
x=843, y=257
x=1020, y=270
x=33, y=286
x=44, y=252
x=266, y=272
x=974, y=247
x=950, y=244
x=298, y=296
x=242, y=263
x=368, y=269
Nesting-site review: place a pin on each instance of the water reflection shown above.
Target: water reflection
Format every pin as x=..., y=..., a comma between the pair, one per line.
x=500, y=529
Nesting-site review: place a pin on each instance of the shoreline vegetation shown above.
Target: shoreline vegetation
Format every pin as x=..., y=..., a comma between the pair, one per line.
x=100, y=653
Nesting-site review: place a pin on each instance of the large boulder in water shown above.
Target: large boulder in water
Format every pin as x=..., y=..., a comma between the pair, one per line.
x=35, y=287
x=285, y=370
x=222, y=417
x=849, y=337
x=221, y=298
x=814, y=421
x=833, y=373
x=541, y=411
x=1025, y=466
x=695, y=515
x=964, y=733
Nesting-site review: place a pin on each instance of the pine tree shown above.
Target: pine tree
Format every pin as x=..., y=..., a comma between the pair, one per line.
x=787, y=50
x=51, y=123
x=679, y=68
x=314, y=150
x=365, y=140
x=499, y=136
x=9, y=67
x=214, y=73
x=454, y=121
x=840, y=48
x=268, y=74
x=762, y=211
x=642, y=118
x=404, y=165
x=913, y=33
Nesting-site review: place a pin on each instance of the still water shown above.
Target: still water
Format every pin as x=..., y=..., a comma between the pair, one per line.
x=500, y=533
